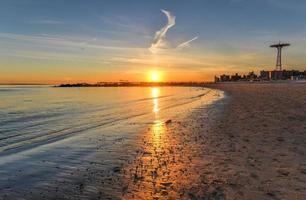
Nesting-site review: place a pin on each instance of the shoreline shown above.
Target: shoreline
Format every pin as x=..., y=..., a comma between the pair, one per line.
x=153, y=84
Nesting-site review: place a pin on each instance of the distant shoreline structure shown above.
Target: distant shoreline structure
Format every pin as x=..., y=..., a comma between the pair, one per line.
x=137, y=84
x=274, y=75
x=25, y=84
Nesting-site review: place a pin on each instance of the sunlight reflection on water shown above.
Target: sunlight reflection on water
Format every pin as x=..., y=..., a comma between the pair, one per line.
x=155, y=94
x=158, y=128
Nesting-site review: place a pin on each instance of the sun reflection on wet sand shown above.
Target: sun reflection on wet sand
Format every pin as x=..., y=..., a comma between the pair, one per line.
x=161, y=168
x=158, y=130
x=165, y=166
x=153, y=174
x=155, y=94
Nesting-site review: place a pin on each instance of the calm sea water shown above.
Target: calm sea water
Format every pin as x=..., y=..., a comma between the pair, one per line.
x=47, y=132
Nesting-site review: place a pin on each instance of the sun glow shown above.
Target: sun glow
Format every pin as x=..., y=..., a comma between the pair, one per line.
x=155, y=77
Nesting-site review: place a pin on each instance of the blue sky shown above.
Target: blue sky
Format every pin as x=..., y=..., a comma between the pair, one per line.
x=74, y=40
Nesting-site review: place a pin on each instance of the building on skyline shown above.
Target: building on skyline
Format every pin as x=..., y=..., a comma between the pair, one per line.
x=224, y=78
x=277, y=75
x=264, y=76
x=235, y=77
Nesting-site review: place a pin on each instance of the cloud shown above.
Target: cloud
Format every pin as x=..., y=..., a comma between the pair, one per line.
x=160, y=43
x=62, y=48
x=61, y=41
x=160, y=36
x=185, y=44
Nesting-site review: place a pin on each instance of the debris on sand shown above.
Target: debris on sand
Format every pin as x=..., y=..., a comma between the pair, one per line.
x=168, y=121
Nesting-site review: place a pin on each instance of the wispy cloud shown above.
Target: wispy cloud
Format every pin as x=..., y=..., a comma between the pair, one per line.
x=160, y=36
x=186, y=44
x=160, y=43
x=61, y=41
x=62, y=48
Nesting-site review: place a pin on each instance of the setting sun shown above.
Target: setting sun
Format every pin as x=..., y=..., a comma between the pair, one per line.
x=155, y=77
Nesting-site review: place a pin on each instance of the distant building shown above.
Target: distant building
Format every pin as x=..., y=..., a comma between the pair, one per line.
x=235, y=77
x=217, y=79
x=251, y=76
x=224, y=78
x=276, y=75
x=287, y=75
x=264, y=75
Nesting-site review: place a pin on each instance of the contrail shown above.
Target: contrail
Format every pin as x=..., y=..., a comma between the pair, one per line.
x=159, y=39
x=185, y=44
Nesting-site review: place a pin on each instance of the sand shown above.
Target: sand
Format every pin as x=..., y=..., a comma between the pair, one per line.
x=259, y=145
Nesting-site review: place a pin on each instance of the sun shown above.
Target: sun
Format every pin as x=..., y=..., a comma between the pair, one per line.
x=155, y=77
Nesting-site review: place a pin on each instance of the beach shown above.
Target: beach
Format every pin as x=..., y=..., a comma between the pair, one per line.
x=233, y=141
x=260, y=142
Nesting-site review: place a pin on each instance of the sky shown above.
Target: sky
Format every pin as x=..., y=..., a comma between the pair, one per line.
x=69, y=41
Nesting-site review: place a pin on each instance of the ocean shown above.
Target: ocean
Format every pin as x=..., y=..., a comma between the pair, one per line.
x=47, y=133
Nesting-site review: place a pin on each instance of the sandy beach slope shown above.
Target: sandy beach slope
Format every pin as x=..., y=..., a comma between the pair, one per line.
x=258, y=147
